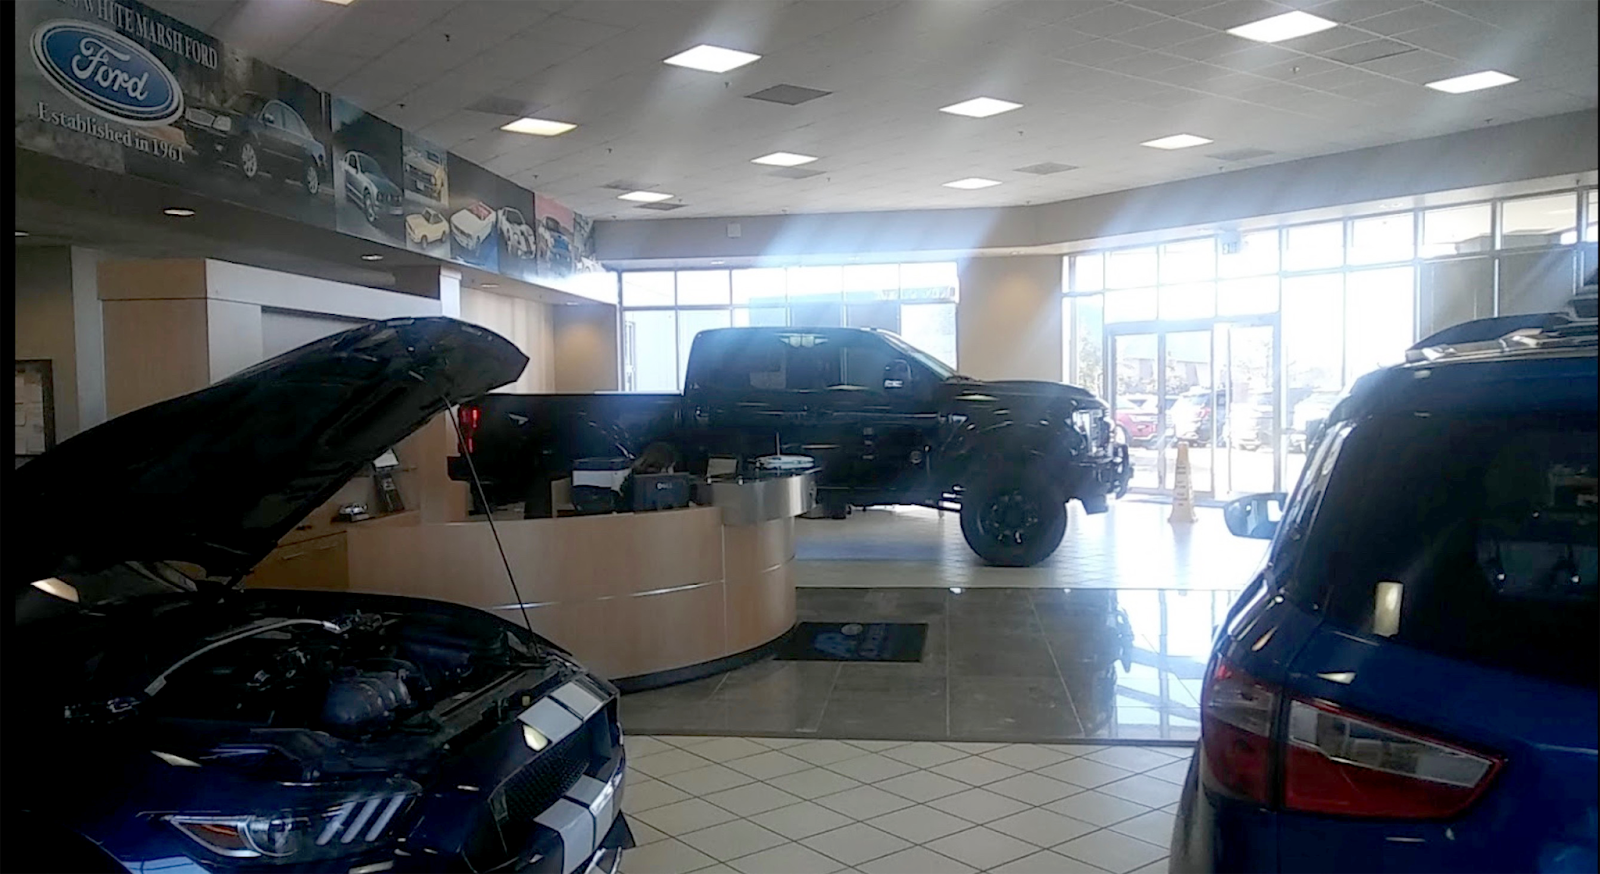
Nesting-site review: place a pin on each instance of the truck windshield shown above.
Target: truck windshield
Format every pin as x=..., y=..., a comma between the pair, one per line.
x=1469, y=537
x=940, y=369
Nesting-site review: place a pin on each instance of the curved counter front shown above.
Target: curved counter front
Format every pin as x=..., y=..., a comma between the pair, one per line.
x=643, y=598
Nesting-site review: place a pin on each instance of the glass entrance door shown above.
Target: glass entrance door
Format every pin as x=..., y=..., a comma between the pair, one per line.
x=1209, y=387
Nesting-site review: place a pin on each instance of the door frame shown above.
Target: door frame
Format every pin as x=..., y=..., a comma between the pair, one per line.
x=1160, y=329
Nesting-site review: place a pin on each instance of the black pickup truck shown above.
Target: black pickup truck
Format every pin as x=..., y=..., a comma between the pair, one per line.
x=886, y=423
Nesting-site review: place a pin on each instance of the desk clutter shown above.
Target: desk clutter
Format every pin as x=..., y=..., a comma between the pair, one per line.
x=622, y=484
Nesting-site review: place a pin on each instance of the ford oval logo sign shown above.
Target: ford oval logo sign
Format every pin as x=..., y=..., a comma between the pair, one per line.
x=107, y=73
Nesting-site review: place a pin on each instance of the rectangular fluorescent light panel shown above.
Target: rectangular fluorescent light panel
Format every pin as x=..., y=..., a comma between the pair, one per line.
x=712, y=59
x=1281, y=27
x=971, y=182
x=645, y=196
x=1176, y=141
x=783, y=159
x=980, y=107
x=1472, y=82
x=539, y=127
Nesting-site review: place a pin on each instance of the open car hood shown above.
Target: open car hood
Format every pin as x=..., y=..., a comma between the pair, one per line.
x=216, y=477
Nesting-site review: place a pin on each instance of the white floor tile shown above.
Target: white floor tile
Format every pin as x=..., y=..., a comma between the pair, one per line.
x=685, y=816
x=787, y=859
x=813, y=783
x=925, y=755
x=684, y=742
x=779, y=743
x=1086, y=773
x=870, y=768
x=639, y=797
x=1134, y=759
x=1097, y=808
x=751, y=799
x=863, y=802
x=1041, y=827
x=855, y=844
x=971, y=747
x=1144, y=789
x=726, y=749
x=1114, y=852
x=643, y=834
x=877, y=746
x=1159, y=866
x=1175, y=773
x=1046, y=862
x=801, y=820
x=1027, y=756
x=916, y=860
x=666, y=763
x=920, y=824
x=1154, y=827
x=665, y=857
x=639, y=746
x=824, y=752
x=922, y=786
x=1031, y=788
x=982, y=847
x=703, y=781
x=978, y=805
x=732, y=840
x=765, y=766
x=976, y=771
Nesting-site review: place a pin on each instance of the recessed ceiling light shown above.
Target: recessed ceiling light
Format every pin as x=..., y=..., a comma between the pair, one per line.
x=19, y=233
x=783, y=159
x=178, y=211
x=1281, y=27
x=712, y=59
x=980, y=107
x=971, y=182
x=372, y=256
x=1176, y=141
x=645, y=196
x=1472, y=82
x=339, y=2
x=488, y=285
x=719, y=262
x=539, y=127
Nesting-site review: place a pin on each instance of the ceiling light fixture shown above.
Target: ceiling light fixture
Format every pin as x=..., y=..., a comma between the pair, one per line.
x=1176, y=141
x=339, y=2
x=980, y=107
x=372, y=256
x=1281, y=27
x=783, y=159
x=1472, y=82
x=712, y=59
x=538, y=127
x=972, y=182
x=488, y=285
x=19, y=233
x=645, y=196
x=178, y=211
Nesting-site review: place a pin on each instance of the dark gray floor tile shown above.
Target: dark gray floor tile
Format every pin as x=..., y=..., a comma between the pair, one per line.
x=865, y=715
x=888, y=679
x=983, y=708
x=1028, y=658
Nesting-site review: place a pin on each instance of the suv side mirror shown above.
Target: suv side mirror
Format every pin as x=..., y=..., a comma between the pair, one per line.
x=896, y=374
x=1255, y=516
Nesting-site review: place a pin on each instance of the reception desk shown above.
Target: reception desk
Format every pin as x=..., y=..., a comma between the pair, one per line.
x=641, y=598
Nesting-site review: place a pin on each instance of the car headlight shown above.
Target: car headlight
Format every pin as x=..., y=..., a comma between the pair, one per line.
x=350, y=825
x=223, y=123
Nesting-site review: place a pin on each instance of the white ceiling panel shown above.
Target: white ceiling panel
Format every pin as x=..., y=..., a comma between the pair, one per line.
x=1095, y=77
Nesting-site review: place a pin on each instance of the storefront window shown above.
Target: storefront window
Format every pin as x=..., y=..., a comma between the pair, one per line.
x=1088, y=323
x=690, y=323
x=1196, y=300
x=1591, y=211
x=1131, y=268
x=1455, y=231
x=1089, y=272
x=649, y=350
x=1383, y=239
x=1189, y=261
x=644, y=289
x=1253, y=254
x=759, y=286
x=1378, y=313
x=1539, y=221
x=931, y=327
x=703, y=288
x=1314, y=247
x=1242, y=297
x=1131, y=305
x=870, y=282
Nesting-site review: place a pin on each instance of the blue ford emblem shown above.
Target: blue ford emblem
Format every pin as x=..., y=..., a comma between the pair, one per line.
x=107, y=73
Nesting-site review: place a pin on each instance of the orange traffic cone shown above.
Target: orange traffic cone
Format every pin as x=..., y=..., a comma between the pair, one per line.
x=1182, y=489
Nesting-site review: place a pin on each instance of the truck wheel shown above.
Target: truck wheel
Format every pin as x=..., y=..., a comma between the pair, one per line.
x=1013, y=520
x=835, y=509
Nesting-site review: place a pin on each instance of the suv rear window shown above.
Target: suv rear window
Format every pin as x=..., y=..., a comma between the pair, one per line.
x=1483, y=529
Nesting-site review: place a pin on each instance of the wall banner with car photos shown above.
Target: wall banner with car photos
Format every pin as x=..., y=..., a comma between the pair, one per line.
x=115, y=85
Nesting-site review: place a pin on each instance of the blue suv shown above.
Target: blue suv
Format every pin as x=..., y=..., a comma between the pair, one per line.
x=1409, y=683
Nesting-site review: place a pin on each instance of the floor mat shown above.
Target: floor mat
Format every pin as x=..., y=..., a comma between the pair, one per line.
x=855, y=642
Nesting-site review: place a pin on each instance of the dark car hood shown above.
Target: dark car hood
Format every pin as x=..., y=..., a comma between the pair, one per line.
x=383, y=185
x=216, y=477
x=1036, y=391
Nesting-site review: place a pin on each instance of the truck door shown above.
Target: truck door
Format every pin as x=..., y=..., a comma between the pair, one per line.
x=739, y=392
x=878, y=415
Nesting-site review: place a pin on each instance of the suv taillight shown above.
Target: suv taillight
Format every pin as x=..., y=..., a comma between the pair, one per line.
x=1330, y=761
x=467, y=417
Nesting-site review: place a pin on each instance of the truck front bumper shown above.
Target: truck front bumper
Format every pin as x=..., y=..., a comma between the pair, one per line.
x=1108, y=481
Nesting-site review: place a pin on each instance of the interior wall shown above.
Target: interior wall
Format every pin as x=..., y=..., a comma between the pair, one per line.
x=45, y=326
x=1008, y=321
x=527, y=324
x=282, y=330
x=587, y=355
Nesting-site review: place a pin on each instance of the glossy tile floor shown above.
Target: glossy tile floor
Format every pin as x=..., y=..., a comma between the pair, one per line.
x=1106, y=640
x=787, y=806
x=1131, y=546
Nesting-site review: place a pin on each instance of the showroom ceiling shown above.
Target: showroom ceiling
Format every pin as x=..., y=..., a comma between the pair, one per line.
x=1095, y=79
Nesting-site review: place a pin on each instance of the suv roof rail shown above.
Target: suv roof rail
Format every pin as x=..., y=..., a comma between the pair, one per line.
x=1553, y=334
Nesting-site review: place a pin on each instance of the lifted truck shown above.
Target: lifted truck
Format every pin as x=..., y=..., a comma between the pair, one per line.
x=886, y=423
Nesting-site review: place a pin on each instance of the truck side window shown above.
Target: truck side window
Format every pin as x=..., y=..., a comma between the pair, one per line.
x=865, y=360
x=813, y=368
x=765, y=369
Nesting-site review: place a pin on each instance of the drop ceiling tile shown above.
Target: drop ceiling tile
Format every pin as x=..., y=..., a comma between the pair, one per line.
x=1098, y=52
x=1230, y=13
x=1371, y=50
x=1164, y=34
x=1461, y=38
x=1410, y=18
x=1209, y=48
x=1112, y=20
x=1421, y=59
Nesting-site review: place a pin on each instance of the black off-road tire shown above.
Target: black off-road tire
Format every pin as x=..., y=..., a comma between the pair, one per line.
x=1013, y=519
